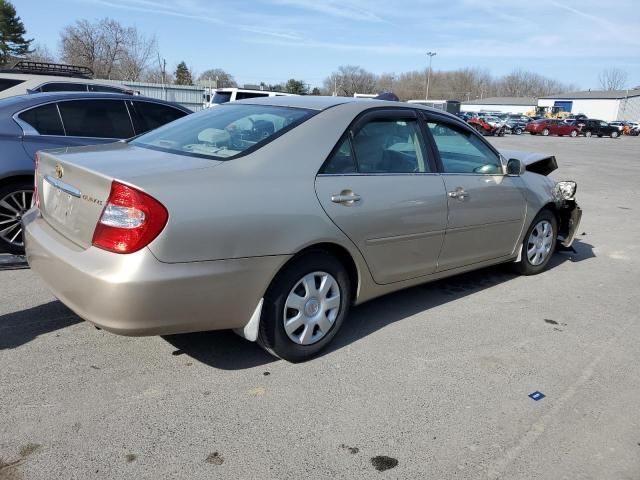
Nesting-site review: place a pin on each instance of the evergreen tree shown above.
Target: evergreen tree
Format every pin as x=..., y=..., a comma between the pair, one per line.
x=296, y=86
x=183, y=75
x=12, y=31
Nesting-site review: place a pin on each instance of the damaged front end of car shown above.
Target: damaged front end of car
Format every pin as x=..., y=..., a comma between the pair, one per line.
x=568, y=211
x=563, y=192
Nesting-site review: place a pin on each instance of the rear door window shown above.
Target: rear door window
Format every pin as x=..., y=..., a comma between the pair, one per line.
x=387, y=145
x=63, y=87
x=43, y=119
x=105, y=89
x=153, y=115
x=244, y=95
x=96, y=118
x=342, y=161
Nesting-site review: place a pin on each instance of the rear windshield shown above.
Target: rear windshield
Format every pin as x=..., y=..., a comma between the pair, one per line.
x=224, y=132
x=6, y=83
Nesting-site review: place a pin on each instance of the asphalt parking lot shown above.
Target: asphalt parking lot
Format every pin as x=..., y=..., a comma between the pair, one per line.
x=432, y=382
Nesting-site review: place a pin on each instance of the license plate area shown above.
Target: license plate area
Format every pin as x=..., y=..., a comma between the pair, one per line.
x=59, y=200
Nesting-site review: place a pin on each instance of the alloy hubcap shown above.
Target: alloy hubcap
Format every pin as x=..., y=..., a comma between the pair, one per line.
x=539, y=243
x=311, y=308
x=12, y=208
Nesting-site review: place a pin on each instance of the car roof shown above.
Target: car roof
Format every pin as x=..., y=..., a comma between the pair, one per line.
x=20, y=102
x=316, y=102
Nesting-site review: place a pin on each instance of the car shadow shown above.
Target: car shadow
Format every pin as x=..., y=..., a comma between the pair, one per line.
x=227, y=351
x=18, y=328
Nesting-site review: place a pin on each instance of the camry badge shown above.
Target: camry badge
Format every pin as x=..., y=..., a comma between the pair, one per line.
x=59, y=171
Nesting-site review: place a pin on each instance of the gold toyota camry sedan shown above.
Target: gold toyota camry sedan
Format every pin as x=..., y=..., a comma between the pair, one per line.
x=273, y=216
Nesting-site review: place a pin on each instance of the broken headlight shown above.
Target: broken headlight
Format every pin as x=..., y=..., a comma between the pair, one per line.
x=565, y=190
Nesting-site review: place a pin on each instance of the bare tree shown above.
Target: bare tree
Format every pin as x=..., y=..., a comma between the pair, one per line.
x=612, y=79
x=110, y=49
x=350, y=79
x=137, y=56
x=41, y=53
x=218, y=77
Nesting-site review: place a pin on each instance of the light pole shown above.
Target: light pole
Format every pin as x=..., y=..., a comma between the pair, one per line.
x=430, y=55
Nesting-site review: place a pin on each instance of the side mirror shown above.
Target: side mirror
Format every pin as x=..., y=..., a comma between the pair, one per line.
x=515, y=167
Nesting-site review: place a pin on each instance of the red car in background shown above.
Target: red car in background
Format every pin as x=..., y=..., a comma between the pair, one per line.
x=548, y=126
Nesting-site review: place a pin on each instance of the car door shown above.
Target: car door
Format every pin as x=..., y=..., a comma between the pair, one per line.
x=486, y=208
x=381, y=188
x=89, y=121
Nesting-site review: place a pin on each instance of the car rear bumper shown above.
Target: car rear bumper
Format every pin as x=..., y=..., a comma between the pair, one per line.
x=136, y=294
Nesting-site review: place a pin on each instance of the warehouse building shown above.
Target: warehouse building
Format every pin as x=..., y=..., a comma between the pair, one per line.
x=603, y=105
x=520, y=105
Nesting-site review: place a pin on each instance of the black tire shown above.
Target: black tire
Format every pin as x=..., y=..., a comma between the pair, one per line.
x=525, y=267
x=574, y=133
x=588, y=134
x=8, y=243
x=615, y=134
x=518, y=131
x=272, y=335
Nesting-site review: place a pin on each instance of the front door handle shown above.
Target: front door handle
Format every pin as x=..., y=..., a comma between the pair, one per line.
x=346, y=197
x=459, y=193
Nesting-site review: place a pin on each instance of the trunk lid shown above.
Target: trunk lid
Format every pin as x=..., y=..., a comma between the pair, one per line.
x=74, y=183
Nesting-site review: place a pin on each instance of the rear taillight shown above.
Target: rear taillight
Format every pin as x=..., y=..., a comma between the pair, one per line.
x=36, y=193
x=130, y=221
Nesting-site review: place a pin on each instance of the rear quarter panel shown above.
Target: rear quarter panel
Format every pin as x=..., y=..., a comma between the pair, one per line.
x=257, y=205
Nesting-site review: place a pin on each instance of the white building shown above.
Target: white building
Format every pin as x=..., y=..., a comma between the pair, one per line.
x=519, y=105
x=603, y=105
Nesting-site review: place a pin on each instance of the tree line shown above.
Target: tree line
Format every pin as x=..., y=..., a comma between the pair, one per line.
x=118, y=52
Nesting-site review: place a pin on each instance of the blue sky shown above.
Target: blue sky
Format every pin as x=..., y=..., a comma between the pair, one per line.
x=273, y=40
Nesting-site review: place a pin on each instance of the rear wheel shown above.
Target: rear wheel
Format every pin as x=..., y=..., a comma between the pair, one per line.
x=573, y=133
x=545, y=132
x=518, y=131
x=15, y=200
x=539, y=244
x=587, y=133
x=305, y=307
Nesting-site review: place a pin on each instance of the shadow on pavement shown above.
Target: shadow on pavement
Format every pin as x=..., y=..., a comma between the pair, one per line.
x=227, y=351
x=21, y=327
x=221, y=349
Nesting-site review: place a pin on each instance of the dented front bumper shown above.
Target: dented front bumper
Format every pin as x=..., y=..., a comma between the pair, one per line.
x=569, y=216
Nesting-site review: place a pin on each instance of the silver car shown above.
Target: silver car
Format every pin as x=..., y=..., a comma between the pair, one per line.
x=273, y=216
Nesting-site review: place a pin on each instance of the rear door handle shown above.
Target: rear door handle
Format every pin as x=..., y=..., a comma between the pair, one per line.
x=346, y=197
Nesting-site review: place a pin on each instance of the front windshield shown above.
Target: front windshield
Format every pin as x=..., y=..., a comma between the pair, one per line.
x=223, y=132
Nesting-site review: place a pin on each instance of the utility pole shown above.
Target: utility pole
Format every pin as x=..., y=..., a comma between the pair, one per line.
x=335, y=86
x=430, y=55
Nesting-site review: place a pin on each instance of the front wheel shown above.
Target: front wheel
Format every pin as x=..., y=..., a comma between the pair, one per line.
x=573, y=133
x=615, y=134
x=518, y=131
x=588, y=134
x=539, y=244
x=15, y=200
x=305, y=307
x=545, y=132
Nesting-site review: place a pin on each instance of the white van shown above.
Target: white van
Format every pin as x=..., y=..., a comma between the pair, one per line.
x=231, y=94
